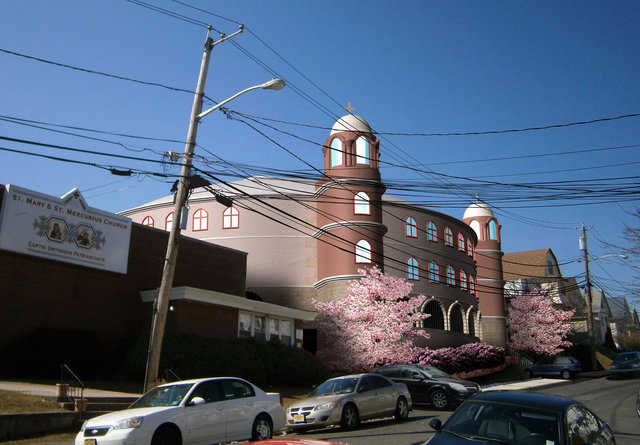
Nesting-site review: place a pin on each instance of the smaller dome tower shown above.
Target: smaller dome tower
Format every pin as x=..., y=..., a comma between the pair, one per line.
x=348, y=200
x=489, y=272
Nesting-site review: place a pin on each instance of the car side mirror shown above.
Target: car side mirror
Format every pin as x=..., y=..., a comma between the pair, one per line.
x=436, y=424
x=196, y=401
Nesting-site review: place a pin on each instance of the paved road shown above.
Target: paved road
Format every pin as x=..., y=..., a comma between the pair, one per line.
x=612, y=400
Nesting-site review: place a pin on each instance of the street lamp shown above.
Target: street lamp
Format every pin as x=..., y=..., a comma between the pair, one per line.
x=161, y=304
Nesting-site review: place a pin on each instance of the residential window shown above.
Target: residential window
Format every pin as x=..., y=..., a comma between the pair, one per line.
x=432, y=232
x=274, y=328
x=451, y=276
x=433, y=273
x=168, y=222
x=461, y=242
x=285, y=332
x=244, y=322
x=361, y=204
x=200, y=220
x=259, y=328
x=411, y=229
x=463, y=280
x=230, y=218
x=363, y=252
x=493, y=231
x=412, y=269
x=448, y=237
x=148, y=221
x=336, y=152
x=469, y=247
x=362, y=150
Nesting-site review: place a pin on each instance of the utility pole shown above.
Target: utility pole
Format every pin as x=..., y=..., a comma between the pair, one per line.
x=161, y=303
x=582, y=243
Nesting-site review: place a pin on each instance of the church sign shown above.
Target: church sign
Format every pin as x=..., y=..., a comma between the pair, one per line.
x=63, y=229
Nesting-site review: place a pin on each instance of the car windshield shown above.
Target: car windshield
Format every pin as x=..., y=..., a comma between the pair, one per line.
x=170, y=395
x=336, y=386
x=433, y=373
x=502, y=423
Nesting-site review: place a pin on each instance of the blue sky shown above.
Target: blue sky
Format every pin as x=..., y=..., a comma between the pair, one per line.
x=421, y=67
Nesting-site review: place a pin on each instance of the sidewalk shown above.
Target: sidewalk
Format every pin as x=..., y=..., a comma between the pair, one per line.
x=50, y=391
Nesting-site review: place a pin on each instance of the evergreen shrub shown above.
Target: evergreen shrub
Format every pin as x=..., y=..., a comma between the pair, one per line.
x=262, y=363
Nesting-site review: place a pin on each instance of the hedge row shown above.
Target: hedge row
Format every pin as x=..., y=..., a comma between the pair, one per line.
x=262, y=363
x=465, y=358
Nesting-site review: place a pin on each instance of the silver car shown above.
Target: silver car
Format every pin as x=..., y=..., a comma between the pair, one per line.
x=349, y=399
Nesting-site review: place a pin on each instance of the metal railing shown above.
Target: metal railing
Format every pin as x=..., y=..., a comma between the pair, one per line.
x=75, y=389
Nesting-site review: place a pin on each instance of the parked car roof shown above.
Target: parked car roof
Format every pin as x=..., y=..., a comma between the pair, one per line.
x=541, y=401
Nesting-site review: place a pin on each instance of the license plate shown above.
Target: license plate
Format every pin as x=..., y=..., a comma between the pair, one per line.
x=90, y=442
x=296, y=418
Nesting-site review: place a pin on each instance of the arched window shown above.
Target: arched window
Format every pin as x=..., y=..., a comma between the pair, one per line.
x=230, y=218
x=471, y=322
x=451, y=276
x=436, y=320
x=433, y=273
x=363, y=251
x=411, y=229
x=168, y=222
x=463, y=280
x=456, y=322
x=475, y=225
x=461, y=242
x=472, y=285
x=336, y=152
x=432, y=231
x=448, y=237
x=200, y=220
x=493, y=230
x=361, y=204
x=148, y=221
x=362, y=150
x=469, y=247
x=412, y=269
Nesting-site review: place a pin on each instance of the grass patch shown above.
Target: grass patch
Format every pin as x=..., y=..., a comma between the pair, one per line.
x=508, y=374
x=16, y=403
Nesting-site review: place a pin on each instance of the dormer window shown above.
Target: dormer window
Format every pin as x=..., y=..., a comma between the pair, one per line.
x=336, y=152
x=362, y=150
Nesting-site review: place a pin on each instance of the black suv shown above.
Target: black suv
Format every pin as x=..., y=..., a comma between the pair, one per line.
x=429, y=385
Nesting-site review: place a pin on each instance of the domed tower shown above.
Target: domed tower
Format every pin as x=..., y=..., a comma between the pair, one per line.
x=489, y=272
x=348, y=200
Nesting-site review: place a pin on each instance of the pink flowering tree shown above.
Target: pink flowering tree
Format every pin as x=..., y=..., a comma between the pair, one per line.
x=373, y=324
x=536, y=326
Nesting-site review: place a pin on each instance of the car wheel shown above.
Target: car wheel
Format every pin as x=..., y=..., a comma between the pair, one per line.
x=350, y=418
x=529, y=374
x=166, y=435
x=439, y=399
x=262, y=429
x=565, y=374
x=402, y=410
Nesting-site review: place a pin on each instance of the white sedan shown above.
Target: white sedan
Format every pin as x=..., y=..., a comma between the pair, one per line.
x=190, y=412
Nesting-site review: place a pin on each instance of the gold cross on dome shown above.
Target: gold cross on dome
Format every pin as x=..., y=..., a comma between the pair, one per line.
x=349, y=108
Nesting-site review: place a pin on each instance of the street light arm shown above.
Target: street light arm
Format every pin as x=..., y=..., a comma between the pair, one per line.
x=275, y=84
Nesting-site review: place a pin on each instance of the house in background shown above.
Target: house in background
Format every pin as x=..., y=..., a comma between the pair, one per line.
x=624, y=318
x=539, y=269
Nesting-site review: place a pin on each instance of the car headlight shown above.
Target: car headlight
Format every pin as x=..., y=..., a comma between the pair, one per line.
x=458, y=387
x=132, y=422
x=636, y=365
x=326, y=406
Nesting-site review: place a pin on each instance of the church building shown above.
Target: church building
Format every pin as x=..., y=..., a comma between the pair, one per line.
x=308, y=239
